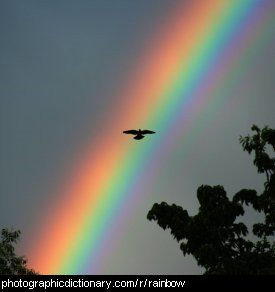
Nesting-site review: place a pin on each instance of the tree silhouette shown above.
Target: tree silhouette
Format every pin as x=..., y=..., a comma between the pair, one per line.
x=10, y=264
x=213, y=236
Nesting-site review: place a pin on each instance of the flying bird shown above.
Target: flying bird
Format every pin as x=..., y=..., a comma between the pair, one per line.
x=139, y=134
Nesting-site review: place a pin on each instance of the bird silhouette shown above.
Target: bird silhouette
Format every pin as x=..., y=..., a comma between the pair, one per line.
x=139, y=134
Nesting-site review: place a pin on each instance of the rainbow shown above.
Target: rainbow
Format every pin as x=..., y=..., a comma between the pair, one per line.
x=178, y=77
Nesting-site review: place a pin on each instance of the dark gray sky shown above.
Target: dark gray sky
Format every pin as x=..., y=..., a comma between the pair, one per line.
x=60, y=62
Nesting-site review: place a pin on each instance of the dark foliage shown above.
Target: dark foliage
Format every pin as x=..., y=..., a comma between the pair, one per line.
x=10, y=264
x=213, y=236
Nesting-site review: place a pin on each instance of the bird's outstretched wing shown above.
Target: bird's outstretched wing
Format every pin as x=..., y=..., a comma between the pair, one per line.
x=133, y=132
x=147, y=132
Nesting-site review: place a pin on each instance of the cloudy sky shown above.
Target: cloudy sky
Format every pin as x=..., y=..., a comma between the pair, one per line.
x=60, y=64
